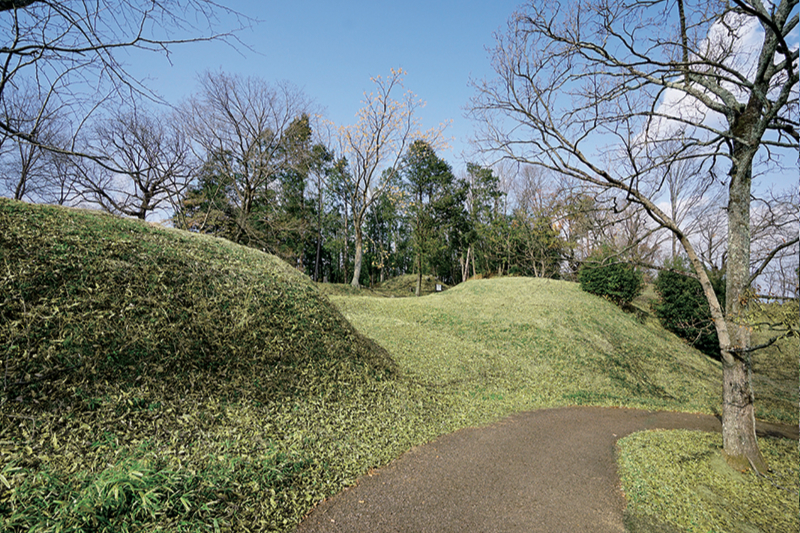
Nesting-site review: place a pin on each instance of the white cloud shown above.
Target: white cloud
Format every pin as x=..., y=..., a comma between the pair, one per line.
x=734, y=42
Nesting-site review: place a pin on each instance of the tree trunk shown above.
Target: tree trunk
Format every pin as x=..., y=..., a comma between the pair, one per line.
x=358, y=255
x=473, y=263
x=419, y=274
x=346, y=246
x=319, y=233
x=740, y=445
x=464, y=260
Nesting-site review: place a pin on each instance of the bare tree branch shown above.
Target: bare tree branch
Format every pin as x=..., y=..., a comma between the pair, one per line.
x=68, y=50
x=770, y=257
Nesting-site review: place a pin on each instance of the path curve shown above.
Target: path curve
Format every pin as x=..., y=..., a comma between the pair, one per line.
x=548, y=470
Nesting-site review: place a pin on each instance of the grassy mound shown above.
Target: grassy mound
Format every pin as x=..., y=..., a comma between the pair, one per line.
x=345, y=289
x=522, y=343
x=406, y=285
x=398, y=287
x=90, y=298
x=154, y=378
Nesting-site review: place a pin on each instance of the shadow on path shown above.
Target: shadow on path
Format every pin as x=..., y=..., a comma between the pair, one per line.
x=549, y=470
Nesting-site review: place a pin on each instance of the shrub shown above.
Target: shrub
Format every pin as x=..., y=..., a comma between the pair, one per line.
x=683, y=308
x=606, y=276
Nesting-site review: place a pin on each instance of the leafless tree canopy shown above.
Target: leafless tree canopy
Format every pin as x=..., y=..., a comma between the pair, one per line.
x=151, y=160
x=570, y=74
x=243, y=128
x=66, y=51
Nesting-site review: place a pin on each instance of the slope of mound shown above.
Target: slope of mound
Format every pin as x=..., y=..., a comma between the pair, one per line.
x=530, y=343
x=508, y=344
x=155, y=378
x=90, y=298
x=406, y=285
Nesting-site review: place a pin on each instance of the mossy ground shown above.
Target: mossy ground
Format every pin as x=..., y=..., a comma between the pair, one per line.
x=156, y=380
x=679, y=481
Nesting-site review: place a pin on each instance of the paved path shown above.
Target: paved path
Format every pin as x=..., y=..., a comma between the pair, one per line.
x=550, y=471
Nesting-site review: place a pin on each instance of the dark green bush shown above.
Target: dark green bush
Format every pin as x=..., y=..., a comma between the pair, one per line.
x=683, y=308
x=604, y=275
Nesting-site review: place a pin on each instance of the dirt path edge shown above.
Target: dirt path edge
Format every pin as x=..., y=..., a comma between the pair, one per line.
x=546, y=470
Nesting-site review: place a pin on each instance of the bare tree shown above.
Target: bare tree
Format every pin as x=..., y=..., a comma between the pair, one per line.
x=25, y=164
x=67, y=51
x=595, y=89
x=244, y=126
x=774, y=258
x=694, y=194
x=146, y=167
x=375, y=145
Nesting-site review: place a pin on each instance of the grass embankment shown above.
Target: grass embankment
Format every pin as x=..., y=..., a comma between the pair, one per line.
x=679, y=481
x=157, y=380
x=503, y=345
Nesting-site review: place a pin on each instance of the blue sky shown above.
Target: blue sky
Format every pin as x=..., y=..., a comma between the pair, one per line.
x=331, y=49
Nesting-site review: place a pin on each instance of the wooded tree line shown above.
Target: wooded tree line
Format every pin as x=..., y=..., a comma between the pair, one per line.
x=253, y=162
x=250, y=161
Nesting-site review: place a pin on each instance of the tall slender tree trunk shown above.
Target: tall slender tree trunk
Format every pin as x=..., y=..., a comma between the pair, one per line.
x=473, y=264
x=358, y=254
x=464, y=261
x=345, y=255
x=319, y=232
x=318, y=256
x=419, y=274
x=738, y=414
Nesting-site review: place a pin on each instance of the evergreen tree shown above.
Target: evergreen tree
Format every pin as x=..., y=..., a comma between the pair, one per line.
x=435, y=202
x=684, y=309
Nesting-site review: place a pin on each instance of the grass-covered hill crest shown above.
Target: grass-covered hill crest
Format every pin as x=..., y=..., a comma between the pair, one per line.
x=89, y=298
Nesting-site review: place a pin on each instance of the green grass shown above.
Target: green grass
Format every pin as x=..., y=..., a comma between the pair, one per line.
x=398, y=287
x=507, y=344
x=156, y=380
x=679, y=481
x=775, y=373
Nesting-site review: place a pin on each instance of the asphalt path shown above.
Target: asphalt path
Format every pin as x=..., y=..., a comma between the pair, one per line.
x=542, y=471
